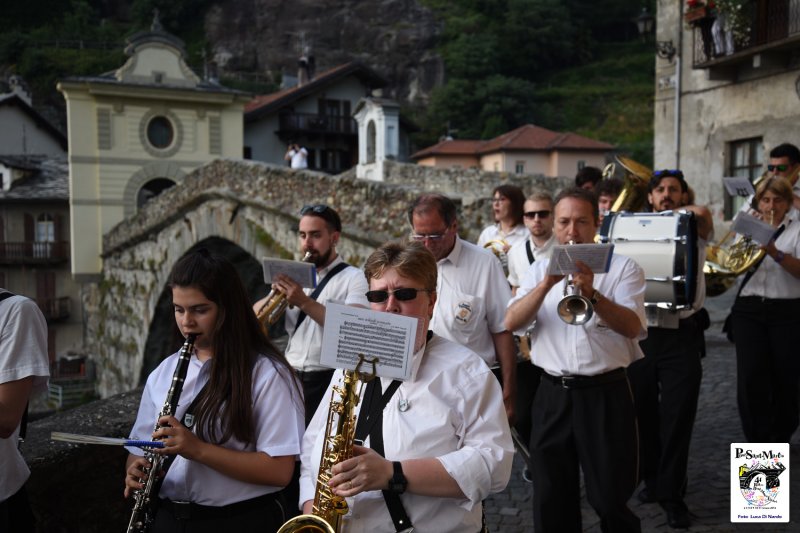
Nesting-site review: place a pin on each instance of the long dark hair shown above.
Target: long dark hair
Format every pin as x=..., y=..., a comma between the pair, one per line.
x=238, y=341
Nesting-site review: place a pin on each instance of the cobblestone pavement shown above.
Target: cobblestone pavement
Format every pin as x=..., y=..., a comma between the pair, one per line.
x=708, y=494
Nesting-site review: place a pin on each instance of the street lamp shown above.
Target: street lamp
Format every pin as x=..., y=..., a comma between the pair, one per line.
x=644, y=23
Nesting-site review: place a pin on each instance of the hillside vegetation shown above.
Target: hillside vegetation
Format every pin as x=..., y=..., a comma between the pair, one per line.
x=567, y=65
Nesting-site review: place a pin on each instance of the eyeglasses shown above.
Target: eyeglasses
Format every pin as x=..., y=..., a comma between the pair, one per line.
x=668, y=173
x=499, y=199
x=318, y=209
x=428, y=236
x=401, y=295
x=544, y=213
x=779, y=168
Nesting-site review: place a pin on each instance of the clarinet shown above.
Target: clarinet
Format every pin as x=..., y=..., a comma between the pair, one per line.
x=144, y=507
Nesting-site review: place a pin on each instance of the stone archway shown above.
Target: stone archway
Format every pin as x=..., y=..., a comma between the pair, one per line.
x=149, y=172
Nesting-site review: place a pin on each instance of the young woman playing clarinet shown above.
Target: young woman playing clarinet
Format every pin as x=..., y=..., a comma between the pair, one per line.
x=240, y=401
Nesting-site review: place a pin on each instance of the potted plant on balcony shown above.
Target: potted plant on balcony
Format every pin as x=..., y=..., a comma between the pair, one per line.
x=698, y=11
x=732, y=27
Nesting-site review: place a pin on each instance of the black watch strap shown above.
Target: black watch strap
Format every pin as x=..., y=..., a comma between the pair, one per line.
x=398, y=483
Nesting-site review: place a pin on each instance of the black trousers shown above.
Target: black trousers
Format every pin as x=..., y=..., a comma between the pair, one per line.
x=16, y=514
x=767, y=366
x=528, y=378
x=266, y=518
x=666, y=387
x=593, y=428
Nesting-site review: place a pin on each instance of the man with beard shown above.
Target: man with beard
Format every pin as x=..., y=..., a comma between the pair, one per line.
x=319, y=231
x=666, y=383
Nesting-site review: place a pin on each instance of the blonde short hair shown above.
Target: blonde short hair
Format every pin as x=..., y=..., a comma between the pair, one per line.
x=411, y=260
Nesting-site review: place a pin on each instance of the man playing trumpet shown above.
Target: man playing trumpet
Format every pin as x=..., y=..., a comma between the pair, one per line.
x=319, y=230
x=583, y=413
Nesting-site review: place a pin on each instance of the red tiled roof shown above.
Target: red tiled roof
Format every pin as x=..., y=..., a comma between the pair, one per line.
x=264, y=103
x=527, y=137
x=451, y=147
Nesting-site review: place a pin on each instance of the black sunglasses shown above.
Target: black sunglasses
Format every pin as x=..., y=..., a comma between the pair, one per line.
x=319, y=209
x=402, y=295
x=779, y=168
x=544, y=213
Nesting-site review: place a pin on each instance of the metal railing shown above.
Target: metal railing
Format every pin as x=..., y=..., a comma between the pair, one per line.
x=307, y=122
x=757, y=25
x=34, y=252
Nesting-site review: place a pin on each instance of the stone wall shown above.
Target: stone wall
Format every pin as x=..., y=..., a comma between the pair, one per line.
x=255, y=206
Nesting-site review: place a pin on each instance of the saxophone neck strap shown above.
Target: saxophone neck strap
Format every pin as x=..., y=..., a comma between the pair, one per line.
x=372, y=425
x=314, y=295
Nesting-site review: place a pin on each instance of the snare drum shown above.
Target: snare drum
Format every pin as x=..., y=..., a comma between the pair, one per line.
x=665, y=246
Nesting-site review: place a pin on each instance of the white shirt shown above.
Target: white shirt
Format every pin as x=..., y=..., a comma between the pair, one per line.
x=493, y=233
x=279, y=421
x=472, y=294
x=23, y=353
x=299, y=158
x=592, y=348
x=771, y=280
x=518, y=262
x=455, y=414
x=348, y=286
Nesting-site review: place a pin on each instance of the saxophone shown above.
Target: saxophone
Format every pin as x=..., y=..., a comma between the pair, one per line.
x=145, y=499
x=274, y=306
x=337, y=446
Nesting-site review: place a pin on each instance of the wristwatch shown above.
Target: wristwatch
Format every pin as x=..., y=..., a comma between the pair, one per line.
x=398, y=483
x=779, y=256
x=595, y=296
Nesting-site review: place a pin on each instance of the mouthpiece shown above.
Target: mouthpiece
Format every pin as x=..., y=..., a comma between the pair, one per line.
x=306, y=257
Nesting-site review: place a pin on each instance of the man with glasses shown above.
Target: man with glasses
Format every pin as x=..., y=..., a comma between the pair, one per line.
x=666, y=383
x=472, y=290
x=319, y=231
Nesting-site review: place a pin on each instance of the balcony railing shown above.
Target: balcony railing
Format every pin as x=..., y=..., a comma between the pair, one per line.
x=33, y=252
x=55, y=308
x=762, y=26
x=309, y=123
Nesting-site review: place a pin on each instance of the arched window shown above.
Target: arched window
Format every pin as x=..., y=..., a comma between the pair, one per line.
x=371, y=142
x=152, y=189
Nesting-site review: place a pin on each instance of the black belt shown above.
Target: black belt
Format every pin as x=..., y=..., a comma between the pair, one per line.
x=579, y=382
x=313, y=375
x=194, y=511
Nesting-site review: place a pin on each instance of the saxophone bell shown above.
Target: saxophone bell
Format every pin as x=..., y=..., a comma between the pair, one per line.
x=337, y=446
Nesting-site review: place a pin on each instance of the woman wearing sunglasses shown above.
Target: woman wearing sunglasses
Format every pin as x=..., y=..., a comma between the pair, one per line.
x=446, y=439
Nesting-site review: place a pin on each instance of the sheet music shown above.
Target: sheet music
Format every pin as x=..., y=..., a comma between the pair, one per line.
x=350, y=331
x=305, y=274
x=738, y=186
x=755, y=228
x=596, y=256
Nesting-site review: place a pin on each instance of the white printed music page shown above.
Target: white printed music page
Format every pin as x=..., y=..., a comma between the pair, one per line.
x=350, y=331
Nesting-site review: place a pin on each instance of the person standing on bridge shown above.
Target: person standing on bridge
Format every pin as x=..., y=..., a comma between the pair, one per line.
x=240, y=401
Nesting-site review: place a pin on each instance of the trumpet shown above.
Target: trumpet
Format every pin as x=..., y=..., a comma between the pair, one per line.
x=274, y=306
x=574, y=309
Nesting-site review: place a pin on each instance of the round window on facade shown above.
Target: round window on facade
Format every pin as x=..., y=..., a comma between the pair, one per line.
x=160, y=132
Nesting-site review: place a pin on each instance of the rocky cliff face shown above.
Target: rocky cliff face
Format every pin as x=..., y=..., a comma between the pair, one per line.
x=396, y=38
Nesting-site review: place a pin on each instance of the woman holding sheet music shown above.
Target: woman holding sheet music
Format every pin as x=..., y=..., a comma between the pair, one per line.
x=765, y=320
x=239, y=421
x=437, y=443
